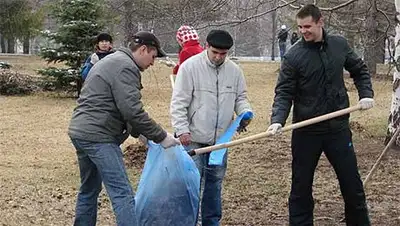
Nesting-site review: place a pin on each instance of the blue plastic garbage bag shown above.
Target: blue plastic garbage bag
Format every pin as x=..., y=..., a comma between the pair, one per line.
x=217, y=156
x=169, y=188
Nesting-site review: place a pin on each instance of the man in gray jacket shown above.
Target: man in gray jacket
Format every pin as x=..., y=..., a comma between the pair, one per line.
x=109, y=110
x=208, y=89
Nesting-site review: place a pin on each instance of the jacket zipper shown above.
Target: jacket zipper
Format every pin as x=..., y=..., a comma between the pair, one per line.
x=216, y=124
x=327, y=80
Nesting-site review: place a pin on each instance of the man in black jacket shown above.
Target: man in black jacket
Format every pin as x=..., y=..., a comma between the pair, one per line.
x=311, y=76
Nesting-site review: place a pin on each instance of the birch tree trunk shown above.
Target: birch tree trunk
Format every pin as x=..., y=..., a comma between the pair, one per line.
x=394, y=117
x=274, y=23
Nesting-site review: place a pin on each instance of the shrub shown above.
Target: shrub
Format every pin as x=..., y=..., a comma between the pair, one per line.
x=14, y=83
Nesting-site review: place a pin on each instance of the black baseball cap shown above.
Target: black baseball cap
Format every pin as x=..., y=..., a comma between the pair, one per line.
x=148, y=38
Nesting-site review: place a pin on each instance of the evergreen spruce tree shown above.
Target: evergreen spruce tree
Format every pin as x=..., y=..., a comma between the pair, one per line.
x=79, y=23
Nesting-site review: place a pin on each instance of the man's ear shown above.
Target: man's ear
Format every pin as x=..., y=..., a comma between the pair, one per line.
x=142, y=49
x=321, y=21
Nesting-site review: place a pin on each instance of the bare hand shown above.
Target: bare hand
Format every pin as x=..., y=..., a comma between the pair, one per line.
x=185, y=139
x=243, y=125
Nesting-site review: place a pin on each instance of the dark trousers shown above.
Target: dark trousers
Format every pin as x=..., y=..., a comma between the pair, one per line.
x=338, y=148
x=282, y=49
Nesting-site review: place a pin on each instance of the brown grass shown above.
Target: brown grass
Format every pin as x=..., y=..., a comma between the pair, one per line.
x=27, y=64
x=39, y=176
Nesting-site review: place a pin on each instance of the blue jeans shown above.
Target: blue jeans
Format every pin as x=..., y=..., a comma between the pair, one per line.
x=211, y=184
x=282, y=49
x=103, y=162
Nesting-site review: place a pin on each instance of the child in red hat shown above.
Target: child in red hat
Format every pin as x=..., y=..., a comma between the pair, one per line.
x=188, y=39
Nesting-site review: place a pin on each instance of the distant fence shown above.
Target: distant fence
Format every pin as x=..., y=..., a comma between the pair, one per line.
x=239, y=58
x=16, y=55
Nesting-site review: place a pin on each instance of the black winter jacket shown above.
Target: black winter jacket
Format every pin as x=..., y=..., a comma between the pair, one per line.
x=311, y=77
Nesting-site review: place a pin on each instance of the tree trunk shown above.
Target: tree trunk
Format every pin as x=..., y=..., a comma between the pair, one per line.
x=234, y=38
x=129, y=22
x=371, y=54
x=351, y=36
x=380, y=58
x=273, y=34
x=394, y=116
x=2, y=44
x=26, y=45
x=11, y=45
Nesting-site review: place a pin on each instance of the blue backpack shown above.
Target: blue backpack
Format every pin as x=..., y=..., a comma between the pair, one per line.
x=86, y=68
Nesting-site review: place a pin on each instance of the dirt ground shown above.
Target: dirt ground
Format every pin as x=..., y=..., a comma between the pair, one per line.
x=39, y=176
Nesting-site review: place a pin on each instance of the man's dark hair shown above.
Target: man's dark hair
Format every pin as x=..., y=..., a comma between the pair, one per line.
x=309, y=10
x=135, y=46
x=219, y=39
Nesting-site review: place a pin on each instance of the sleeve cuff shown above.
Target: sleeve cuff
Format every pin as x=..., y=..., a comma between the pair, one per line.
x=160, y=137
x=366, y=95
x=181, y=131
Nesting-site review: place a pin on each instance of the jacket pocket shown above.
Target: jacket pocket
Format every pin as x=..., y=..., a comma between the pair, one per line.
x=202, y=124
x=115, y=126
x=227, y=97
x=304, y=108
x=342, y=100
x=191, y=116
x=228, y=89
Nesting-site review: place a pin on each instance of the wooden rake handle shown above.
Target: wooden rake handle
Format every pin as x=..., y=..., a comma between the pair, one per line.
x=267, y=134
x=172, y=79
x=375, y=166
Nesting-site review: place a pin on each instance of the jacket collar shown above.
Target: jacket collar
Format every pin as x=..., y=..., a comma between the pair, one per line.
x=209, y=63
x=320, y=44
x=129, y=53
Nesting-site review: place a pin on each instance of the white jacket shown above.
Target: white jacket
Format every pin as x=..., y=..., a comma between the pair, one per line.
x=205, y=97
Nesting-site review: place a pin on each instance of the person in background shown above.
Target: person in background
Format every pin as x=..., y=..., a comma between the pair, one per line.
x=294, y=38
x=282, y=38
x=103, y=48
x=188, y=40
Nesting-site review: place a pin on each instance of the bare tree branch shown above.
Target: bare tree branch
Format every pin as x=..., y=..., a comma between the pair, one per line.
x=219, y=4
x=391, y=55
x=324, y=9
x=338, y=6
x=292, y=6
x=344, y=27
x=256, y=7
x=115, y=7
x=237, y=22
x=387, y=19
